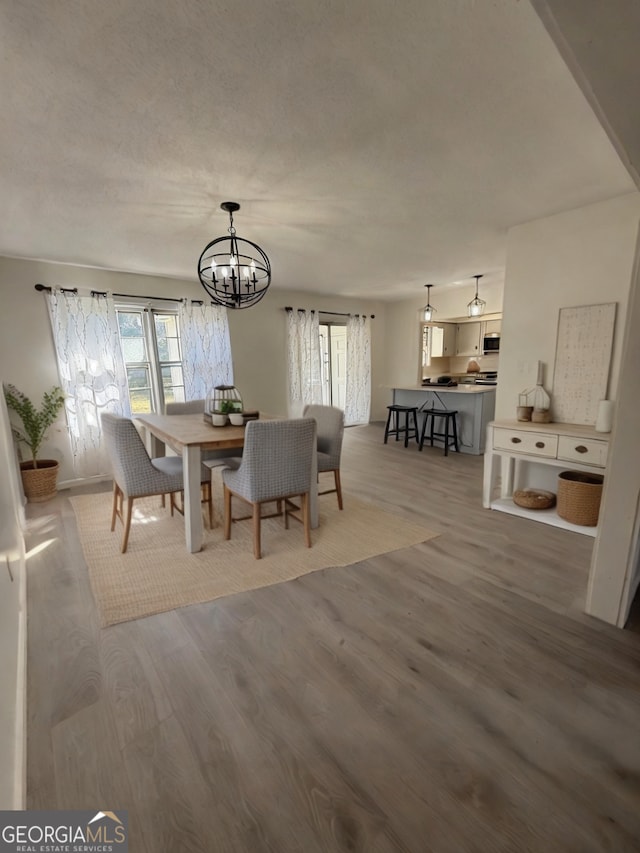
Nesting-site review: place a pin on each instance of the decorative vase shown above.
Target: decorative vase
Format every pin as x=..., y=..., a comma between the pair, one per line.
x=39, y=484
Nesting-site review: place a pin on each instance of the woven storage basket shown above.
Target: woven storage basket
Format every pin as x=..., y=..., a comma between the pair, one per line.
x=579, y=496
x=39, y=483
x=534, y=498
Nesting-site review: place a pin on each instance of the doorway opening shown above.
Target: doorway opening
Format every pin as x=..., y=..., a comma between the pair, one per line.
x=333, y=360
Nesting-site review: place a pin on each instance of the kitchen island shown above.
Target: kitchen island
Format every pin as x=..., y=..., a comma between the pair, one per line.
x=475, y=405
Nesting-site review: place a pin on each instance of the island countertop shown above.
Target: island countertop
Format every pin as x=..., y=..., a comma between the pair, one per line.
x=475, y=405
x=447, y=389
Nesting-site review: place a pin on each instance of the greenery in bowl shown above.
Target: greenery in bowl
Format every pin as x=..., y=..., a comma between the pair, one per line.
x=35, y=422
x=229, y=406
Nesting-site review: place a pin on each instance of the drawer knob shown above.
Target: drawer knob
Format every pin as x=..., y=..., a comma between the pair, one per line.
x=581, y=449
x=539, y=443
x=516, y=440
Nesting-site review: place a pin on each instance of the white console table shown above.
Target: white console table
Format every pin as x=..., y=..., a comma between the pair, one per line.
x=523, y=455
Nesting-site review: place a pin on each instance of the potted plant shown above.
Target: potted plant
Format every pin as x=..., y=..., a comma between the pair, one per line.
x=39, y=476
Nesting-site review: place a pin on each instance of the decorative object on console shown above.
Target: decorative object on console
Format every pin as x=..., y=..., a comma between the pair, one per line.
x=428, y=311
x=541, y=400
x=604, y=421
x=476, y=306
x=235, y=272
x=582, y=364
x=534, y=498
x=524, y=412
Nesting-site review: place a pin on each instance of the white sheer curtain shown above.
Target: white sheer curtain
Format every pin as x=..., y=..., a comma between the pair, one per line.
x=357, y=405
x=92, y=372
x=305, y=376
x=206, y=349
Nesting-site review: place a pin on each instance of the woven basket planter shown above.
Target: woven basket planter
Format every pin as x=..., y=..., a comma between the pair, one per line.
x=579, y=496
x=39, y=483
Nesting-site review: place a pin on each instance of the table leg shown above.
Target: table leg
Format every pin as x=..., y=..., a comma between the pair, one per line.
x=313, y=494
x=191, y=463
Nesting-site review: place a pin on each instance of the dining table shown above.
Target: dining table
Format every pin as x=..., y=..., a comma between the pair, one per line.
x=189, y=435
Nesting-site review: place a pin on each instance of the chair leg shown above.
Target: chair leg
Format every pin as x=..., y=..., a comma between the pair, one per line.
x=455, y=434
x=164, y=501
x=423, y=430
x=446, y=435
x=208, y=497
x=227, y=513
x=336, y=475
x=387, y=425
x=114, y=510
x=415, y=425
x=256, y=531
x=306, y=518
x=127, y=525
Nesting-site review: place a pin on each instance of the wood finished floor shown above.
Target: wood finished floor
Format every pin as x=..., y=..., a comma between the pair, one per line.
x=447, y=697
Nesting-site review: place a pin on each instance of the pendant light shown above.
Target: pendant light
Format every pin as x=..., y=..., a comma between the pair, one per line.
x=428, y=311
x=235, y=272
x=476, y=306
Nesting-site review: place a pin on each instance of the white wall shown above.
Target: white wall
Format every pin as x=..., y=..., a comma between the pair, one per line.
x=403, y=325
x=259, y=344
x=580, y=257
x=12, y=624
x=615, y=567
x=258, y=336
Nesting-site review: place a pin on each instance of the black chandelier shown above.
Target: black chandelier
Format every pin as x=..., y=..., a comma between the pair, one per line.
x=236, y=273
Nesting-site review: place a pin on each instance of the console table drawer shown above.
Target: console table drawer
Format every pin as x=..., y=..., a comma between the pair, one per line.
x=586, y=450
x=533, y=443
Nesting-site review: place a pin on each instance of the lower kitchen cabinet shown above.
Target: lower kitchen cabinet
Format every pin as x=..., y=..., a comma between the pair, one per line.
x=523, y=456
x=475, y=406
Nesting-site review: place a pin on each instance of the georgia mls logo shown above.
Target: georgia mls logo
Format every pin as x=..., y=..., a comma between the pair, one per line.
x=63, y=832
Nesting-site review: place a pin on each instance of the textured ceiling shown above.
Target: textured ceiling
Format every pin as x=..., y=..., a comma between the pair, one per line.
x=374, y=146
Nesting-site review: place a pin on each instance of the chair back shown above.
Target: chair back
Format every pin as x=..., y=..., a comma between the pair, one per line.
x=276, y=460
x=191, y=407
x=130, y=464
x=330, y=421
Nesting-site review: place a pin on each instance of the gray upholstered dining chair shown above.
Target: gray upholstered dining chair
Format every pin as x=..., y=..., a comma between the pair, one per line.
x=135, y=475
x=276, y=466
x=330, y=421
x=191, y=407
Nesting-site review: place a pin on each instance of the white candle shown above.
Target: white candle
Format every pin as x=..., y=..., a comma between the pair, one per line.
x=604, y=421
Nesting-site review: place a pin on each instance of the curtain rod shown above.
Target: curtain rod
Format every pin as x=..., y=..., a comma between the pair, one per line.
x=43, y=287
x=332, y=313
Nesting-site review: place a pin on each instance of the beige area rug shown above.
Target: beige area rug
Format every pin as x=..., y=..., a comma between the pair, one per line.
x=157, y=574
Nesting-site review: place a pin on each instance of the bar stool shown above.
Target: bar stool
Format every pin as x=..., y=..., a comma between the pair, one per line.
x=450, y=438
x=395, y=414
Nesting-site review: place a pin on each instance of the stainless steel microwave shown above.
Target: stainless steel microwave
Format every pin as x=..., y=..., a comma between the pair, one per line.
x=491, y=344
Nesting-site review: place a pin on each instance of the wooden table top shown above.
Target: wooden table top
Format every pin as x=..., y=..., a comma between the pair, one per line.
x=192, y=431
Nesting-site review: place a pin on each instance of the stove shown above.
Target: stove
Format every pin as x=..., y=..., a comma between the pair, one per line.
x=488, y=377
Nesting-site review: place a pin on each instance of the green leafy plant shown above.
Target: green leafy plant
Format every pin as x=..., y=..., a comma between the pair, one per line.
x=35, y=422
x=228, y=406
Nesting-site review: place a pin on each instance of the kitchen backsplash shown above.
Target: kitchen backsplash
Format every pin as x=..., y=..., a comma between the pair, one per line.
x=458, y=365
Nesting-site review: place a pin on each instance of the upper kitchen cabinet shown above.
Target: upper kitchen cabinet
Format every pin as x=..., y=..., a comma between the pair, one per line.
x=443, y=340
x=468, y=339
x=438, y=341
x=492, y=327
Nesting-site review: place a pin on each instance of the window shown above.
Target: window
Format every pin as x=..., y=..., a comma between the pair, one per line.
x=152, y=356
